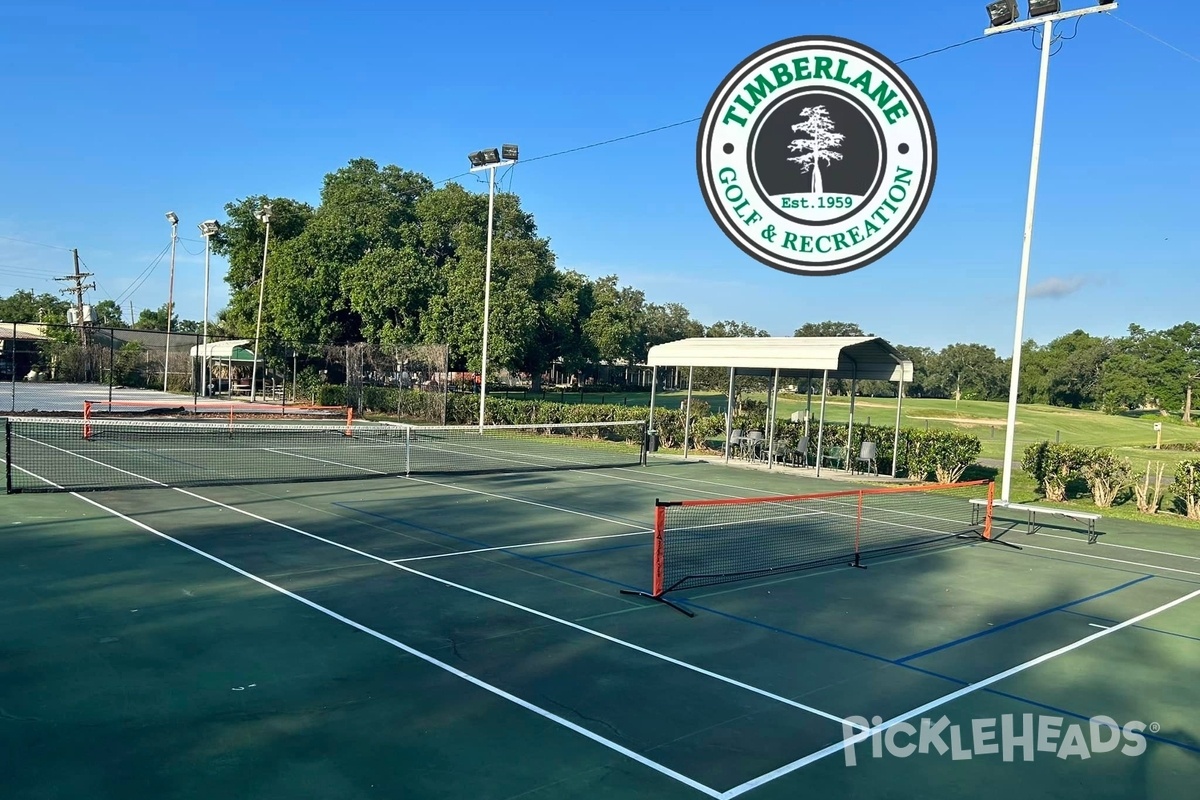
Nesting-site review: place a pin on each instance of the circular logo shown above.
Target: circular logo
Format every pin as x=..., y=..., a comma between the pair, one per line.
x=816, y=155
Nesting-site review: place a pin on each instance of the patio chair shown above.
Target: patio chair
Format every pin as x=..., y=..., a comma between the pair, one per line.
x=867, y=457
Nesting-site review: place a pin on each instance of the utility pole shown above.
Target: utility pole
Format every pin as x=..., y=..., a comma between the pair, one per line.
x=78, y=289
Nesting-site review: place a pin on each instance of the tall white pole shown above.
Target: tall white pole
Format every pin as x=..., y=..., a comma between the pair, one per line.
x=170, y=302
x=262, y=285
x=487, y=296
x=204, y=360
x=1018, y=335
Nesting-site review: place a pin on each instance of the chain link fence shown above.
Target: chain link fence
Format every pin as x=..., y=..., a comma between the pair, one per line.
x=59, y=368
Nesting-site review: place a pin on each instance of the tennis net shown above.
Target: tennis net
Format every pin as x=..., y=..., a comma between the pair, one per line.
x=68, y=454
x=706, y=542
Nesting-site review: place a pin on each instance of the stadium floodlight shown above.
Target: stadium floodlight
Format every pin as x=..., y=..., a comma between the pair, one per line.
x=489, y=160
x=1043, y=14
x=172, y=218
x=263, y=215
x=208, y=229
x=1002, y=12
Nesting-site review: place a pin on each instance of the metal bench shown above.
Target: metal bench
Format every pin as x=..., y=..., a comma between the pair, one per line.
x=1032, y=511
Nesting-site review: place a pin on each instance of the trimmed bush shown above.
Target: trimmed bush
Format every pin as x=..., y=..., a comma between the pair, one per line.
x=1054, y=465
x=1187, y=488
x=1107, y=475
x=944, y=454
x=1149, y=497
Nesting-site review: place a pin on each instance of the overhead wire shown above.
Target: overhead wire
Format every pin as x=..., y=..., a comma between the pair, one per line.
x=682, y=122
x=1163, y=42
x=36, y=244
x=143, y=276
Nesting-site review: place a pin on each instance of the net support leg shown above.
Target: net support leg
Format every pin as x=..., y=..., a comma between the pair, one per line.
x=659, y=599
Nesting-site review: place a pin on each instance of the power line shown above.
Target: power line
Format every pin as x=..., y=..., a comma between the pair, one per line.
x=36, y=244
x=671, y=125
x=1179, y=50
x=143, y=276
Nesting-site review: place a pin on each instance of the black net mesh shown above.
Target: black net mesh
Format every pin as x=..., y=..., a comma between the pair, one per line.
x=705, y=542
x=58, y=454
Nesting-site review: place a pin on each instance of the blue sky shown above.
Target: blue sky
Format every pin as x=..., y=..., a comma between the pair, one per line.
x=114, y=114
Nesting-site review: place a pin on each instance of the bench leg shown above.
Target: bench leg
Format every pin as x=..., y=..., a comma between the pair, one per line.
x=1091, y=532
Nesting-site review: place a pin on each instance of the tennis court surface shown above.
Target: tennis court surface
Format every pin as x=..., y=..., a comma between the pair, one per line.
x=302, y=611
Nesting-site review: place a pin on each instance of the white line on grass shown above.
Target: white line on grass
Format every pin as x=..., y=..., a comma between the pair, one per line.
x=526, y=609
x=966, y=690
x=525, y=704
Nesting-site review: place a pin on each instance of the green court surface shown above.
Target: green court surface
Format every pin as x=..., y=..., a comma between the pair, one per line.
x=465, y=636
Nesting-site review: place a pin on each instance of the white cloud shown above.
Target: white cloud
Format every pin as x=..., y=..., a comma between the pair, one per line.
x=1058, y=287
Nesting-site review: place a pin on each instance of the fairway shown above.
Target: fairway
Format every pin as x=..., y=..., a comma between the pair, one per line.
x=1131, y=434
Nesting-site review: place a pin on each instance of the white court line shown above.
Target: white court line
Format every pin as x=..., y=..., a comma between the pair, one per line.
x=1124, y=547
x=640, y=528
x=1105, y=558
x=966, y=690
x=470, y=449
x=541, y=614
x=517, y=546
x=323, y=461
x=525, y=704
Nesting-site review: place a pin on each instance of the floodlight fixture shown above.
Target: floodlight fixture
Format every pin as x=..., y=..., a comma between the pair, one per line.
x=476, y=159
x=509, y=152
x=1040, y=8
x=1002, y=12
x=210, y=227
x=264, y=213
x=490, y=156
x=172, y=218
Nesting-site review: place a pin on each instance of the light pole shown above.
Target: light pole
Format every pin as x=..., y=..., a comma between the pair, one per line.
x=262, y=215
x=174, y=220
x=489, y=160
x=208, y=229
x=1003, y=15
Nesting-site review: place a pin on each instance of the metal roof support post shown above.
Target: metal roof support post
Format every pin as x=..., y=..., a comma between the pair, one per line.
x=850, y=426
x=821, y=423
x=729, y=413
x=687, y=413
x=896, y=440
x=808, y=408
x=653, y=385
x=772, y=410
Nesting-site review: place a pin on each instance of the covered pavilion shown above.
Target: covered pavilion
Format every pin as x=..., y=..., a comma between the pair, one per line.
x=853, y=358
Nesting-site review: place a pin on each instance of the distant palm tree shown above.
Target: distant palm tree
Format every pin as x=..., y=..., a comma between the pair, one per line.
x=819, y=126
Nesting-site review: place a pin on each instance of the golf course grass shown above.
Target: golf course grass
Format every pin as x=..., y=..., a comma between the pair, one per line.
x=1131, y=435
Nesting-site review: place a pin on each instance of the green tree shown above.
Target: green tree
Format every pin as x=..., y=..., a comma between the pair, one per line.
x=670, y=323
x=829, y=328
x=240, y=241
x=970, y=370
x=733, y=329
x=617, y=324
x=108, y=314
x=922, y=359
x=155, y=319
x=25, y=306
